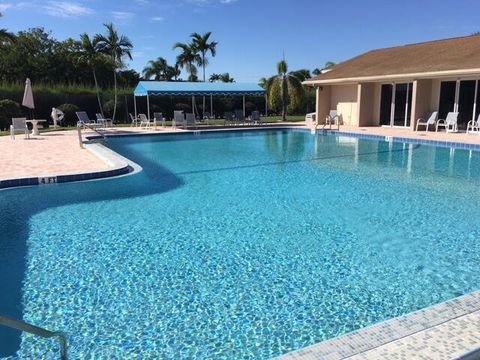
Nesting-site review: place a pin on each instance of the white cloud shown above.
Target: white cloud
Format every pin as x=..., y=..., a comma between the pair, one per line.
x=228, y=1
x=122, y=15
x=5, y=6
x=157, y=18
x=65, y=9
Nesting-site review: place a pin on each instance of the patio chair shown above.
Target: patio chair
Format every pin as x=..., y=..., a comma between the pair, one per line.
x=19, y=125
x=229, y=117
x=85, y=121
x=133, y=119
x=190, y=120
x=239, y=117
x=103, y=120
x=473, y=127
x=255, y=117
x=146, y=122
x=333, y=118
x=178, y=119
x=430, y=120
x=450, y=123
x=159, y=119
x=207, y=116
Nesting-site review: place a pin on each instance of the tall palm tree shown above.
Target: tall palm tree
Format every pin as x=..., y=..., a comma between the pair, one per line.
x=203, y=47
x=116, y=47
x=285, y=90
x=156, y=69
x=174, y=71
x=225, y=77
x=90, y=56
x=188, y=59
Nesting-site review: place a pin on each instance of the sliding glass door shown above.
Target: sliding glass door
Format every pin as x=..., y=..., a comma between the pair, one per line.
x=395, y=104
x=462, y=97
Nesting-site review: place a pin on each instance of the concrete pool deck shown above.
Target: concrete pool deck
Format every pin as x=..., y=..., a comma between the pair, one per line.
x=445, y=331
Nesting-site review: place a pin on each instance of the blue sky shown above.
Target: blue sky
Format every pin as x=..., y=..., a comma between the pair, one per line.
x=252, y=34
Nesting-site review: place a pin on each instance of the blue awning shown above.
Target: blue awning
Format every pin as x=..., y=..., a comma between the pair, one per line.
x=181, y=88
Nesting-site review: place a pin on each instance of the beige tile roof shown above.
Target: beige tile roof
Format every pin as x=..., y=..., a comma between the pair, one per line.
x=440, y=55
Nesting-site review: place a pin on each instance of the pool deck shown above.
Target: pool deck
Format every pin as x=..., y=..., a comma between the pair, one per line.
x=449, y=330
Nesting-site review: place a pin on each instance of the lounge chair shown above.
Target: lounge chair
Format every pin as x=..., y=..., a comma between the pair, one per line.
x=229, y=117
x=104, y=121
x=333, y=118
x=450, y=123
x=84, y=120
x=190, y=120
x=146, y=122
x=19, y=125
x=134, y=120
x=473, y=127
x=178, y=119
x=430, y=120
x=255, y=117
x=239, y=117
x=159, y=119
x=207, y=116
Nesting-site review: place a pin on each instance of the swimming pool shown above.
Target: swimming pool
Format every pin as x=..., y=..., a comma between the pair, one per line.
x=244, y=244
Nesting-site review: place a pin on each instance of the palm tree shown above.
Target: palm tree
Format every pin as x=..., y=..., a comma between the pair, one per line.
x=285, y=90
x=156, y=69
x=174, y=72
x=225, y=77
x=187, y=59
x=328, y=65
x=90, y=56
x=116, y=47
x=201, y=45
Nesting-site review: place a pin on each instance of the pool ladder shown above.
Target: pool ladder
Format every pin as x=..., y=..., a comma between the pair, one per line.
x=35, y=330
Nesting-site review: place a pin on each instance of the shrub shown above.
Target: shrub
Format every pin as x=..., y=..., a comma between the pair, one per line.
x=70, y=117
x=8, y=110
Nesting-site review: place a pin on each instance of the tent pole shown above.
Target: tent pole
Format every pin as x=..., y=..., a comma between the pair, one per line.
x=211, y=105
x=193, y=104
x=243, y=105
x=266, y=104
x=148, y=107
x=135, y=106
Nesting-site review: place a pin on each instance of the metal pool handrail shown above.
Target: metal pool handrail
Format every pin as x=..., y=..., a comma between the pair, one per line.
x=35, y=330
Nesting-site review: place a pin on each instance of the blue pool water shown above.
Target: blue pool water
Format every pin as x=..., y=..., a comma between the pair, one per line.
x=238, y=245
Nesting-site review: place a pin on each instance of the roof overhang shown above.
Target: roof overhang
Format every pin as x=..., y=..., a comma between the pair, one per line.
x=421, y=75
x=169, y=88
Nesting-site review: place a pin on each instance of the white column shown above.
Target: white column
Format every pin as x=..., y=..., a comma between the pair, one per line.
x=211, y=105
x=266, y=104
x=148, y=107
x=244, y=105
x=193, y=104
x=135, y=105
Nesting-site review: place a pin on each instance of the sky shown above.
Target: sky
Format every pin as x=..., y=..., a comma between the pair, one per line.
x=252, y=35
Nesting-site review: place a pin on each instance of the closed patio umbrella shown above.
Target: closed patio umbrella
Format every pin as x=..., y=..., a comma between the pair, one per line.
x=28, y=96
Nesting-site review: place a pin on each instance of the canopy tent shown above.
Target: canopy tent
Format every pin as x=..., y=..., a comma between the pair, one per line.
x=181, y=88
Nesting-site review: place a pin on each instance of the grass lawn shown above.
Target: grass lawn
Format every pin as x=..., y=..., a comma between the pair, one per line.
x=268, y=119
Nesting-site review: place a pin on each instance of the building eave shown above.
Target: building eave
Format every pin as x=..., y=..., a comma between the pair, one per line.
x=420, y=75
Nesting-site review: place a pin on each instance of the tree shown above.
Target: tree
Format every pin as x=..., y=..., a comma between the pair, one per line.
x=90, y=55
x=328, y=65
x=116, y=47
x=225, y=77
x=156, y=69
x=187, y=59
x=285, y=90
x=201, y=45
x=302, y=74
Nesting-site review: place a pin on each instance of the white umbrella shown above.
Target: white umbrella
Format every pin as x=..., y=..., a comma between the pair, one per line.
x=28, y=95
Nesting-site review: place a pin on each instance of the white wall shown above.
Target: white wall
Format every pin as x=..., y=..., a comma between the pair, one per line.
x=344, y=100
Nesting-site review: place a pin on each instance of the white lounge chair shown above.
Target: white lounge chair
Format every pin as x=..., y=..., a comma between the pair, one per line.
x=133, y=119
x=103, y=120
x=146, y=122
x=19, y=125
x=333, y=118
x=178, y=119
x=310, y=118
x=450, y=123
x=239, y=117
x=84, y=120
x=255, y=117
x=159, y=119
x=430, y=120
x=190, y=120
x=473, y=127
